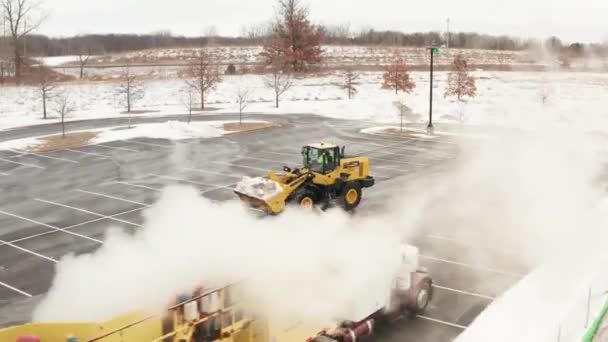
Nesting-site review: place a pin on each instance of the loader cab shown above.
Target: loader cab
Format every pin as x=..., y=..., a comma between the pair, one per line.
x=321, y=158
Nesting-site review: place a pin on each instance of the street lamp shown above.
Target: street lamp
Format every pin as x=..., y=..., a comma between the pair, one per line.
x=430, y=130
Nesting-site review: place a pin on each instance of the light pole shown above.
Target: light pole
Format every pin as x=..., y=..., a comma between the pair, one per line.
x=430, y=129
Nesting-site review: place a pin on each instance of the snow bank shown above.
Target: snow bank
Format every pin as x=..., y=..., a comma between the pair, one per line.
x=56, y=61
x=410, y=132
x=260, y=188
x=171, y=130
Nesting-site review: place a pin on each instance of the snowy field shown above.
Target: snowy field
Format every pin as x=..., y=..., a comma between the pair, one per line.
x=504, y=98
x=349, y=55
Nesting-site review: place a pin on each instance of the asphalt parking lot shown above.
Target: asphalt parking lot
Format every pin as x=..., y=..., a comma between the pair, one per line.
x=62, y=202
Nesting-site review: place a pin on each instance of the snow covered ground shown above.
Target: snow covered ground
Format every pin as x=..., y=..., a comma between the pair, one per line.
x=504, y=98
x=171, y=130
x=334, y=54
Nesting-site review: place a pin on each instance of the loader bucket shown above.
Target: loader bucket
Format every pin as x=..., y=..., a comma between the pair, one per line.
x=255, y=203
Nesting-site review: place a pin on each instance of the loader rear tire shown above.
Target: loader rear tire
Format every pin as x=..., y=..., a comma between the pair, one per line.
x=351, y=196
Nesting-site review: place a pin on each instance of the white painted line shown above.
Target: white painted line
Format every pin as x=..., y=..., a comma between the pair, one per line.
x=182, y=180
x=472, y=294
x=454, y=325
x=49, y=226
x=396, y=161
x=347, y=142
x=419, y=155
x=212, y=173
x=52, y=158
x=116, y=148
x=28, y=251
x=267, y=160
x=76, y=225
x=146, y=144
x=87, y=153
x=111, y=197
x=3, y=174
x=280, y=153
x=139, y=186
x=228, y=187
x=480, y=244
x=86, y=211
x=388, y=168
x=241, y=166
x=474, y=267
x=15, y=289
x=22, y=164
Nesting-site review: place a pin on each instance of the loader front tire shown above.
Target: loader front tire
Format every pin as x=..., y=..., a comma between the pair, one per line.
x=351, y=196
x=305, y=199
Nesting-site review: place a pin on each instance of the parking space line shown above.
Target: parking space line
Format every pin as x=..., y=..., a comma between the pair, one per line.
x=49, y=157
x=147, y=144
x=471, y=244
x=475, y=267
x=241, y=166
x=4, y=243
x=87, y=153
x=76, y=225
x=435, y=140
x=3, y=174
x=116, y=148
x=388, y=168
x=263, y=159
x=211, y=172
x=112, y=197
x=86, y=211
x=473, y=294
x=182, y=180
x=22, y=164
x=397, y=161
x=279, y=153
x=49, y=226
x=454, y=325
x=227, y=187
x=420, y=154
x=139, y=186
x=16, y=289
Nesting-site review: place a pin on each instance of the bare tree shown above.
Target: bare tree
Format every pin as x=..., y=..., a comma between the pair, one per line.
x=21, y=18
x=460, y=83
x=130, y=90
x=46, y=85
x=351, y=82
x=202, y=75
x=63, y=107
x=84, y=54
x=402, y=110
x=278, y=80
x=397, y=77
x=243, y=95
x=188, y=101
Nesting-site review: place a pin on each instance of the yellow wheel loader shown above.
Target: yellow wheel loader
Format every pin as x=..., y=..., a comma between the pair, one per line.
x=327, y=176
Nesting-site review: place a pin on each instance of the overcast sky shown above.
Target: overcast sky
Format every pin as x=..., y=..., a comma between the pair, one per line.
x=580, y=20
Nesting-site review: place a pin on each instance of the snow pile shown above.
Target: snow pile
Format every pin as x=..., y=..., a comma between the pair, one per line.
x=406, y=131
x=56, y=61
x=260, y=188
x=171, y=130
x=20, y=144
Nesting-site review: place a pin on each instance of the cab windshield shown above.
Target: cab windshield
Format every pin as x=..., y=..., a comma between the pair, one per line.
x=319, y=160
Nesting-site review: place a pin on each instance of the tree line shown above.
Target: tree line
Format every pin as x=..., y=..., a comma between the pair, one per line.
x=99, y=44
